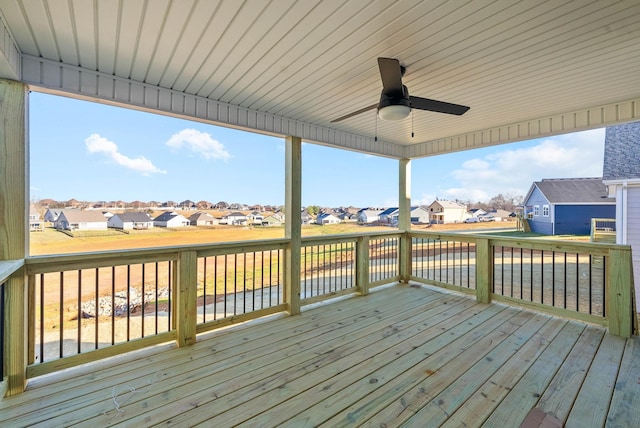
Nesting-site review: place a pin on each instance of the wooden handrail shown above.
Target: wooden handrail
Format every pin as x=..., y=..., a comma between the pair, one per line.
x=8, y=268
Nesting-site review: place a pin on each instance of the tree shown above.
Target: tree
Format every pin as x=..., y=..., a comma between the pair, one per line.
x=313, y=209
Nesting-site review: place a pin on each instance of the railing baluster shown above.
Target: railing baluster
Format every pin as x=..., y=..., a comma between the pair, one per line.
x=113, y=304
x=61, y=320
x=128, y=302
x=97, y=309
x=42, y=356
x=157, y=306
x=142, y=302
x=79, y=326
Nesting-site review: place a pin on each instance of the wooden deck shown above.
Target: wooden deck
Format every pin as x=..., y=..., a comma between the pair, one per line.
x=402, y=355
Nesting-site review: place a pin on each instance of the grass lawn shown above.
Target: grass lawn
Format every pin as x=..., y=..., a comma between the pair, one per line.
x=51, y=241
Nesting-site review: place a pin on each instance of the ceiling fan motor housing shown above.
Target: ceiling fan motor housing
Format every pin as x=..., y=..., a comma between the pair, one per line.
x=394, y=106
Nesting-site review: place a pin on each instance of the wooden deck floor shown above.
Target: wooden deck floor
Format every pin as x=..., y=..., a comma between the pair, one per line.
x=409, y=356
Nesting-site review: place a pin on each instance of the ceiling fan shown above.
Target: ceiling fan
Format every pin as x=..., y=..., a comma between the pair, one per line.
x=395, y=101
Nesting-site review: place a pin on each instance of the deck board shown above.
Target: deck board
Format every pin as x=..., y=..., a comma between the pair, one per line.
x=402, y=355
x=625, y=403
x=592, y=403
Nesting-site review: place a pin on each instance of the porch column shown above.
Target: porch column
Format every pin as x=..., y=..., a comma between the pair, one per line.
x=293, y=222
x=14, y=230
x=404, y=217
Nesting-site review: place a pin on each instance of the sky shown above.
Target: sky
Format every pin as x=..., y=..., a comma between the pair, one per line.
x=95, y=152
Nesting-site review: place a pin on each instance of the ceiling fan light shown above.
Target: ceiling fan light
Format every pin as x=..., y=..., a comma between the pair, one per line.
x=394, y=112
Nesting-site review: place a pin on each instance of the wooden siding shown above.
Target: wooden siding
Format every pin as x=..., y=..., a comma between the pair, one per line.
x=401, y=355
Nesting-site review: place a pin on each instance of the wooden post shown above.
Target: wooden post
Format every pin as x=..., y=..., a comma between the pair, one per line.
x=14, y=214
x=293, y=222
x=185, y=302
x=619, y=311
x=484, y=270
x=362, y=264
x=404, y=218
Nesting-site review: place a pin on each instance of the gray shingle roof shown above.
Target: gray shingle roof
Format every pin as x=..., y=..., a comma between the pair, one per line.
x=622, y=152
x=137, y=217
x=166, y=216
x=574, y=190
x=77, y=216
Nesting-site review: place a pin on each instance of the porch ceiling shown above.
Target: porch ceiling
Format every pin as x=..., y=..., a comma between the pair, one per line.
x=527, y=69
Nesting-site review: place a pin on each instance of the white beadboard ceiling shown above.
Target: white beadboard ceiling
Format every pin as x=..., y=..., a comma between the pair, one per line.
x=527, y=68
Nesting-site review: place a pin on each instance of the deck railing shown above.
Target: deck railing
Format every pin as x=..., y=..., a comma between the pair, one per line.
x=444, y=260
x=239, y=280
x=573, y=279
x=83, y=307
x=570, y=277
x=384, y=259
x=328, y=267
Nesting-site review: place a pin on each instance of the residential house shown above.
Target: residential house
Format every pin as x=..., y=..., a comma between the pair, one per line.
x=255, y=218
x=386, y=215
x=565, y=206
x=419, y=215
x=203, y=219
x=130, y=221
x=35, y=224
x=204, y=205
x=475, y=212
x=276, y=219
x=326, y=218
x=170, y=219
x=187, y=205
x=369, y=215
x=442, y=211
x=306, y=218
x=80, y=220
x=235, y=218
x=52, y=214
x=238, y=207
x=621, y=174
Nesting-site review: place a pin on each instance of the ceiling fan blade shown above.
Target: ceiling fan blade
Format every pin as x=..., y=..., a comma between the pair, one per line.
x=391, y=74
x=437, y=106
x=362, y=110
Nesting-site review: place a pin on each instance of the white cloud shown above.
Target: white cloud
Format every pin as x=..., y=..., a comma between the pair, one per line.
x=513, y=171
x=200, y=143
x=97, y=144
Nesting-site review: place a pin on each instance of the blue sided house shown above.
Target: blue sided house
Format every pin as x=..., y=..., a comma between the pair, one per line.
x=565, y=206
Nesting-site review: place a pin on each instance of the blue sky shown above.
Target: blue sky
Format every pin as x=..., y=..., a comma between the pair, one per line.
x=91, y=151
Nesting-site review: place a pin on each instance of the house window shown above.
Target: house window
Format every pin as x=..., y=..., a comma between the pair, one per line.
x=536, y=210
x=545, y=210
